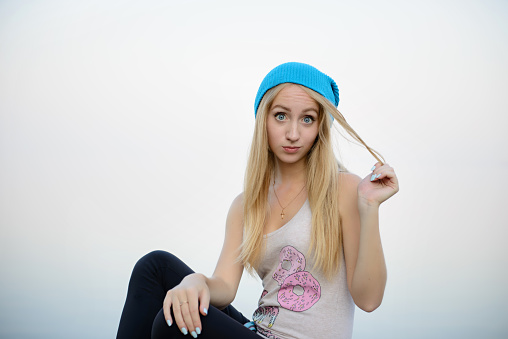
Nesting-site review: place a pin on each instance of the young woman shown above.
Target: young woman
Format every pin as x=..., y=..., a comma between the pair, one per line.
x=304, y=224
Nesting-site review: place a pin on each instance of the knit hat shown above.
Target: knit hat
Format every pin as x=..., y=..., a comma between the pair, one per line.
x=301, y=74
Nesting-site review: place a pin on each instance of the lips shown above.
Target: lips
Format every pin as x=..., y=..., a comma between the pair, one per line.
x=290, y=149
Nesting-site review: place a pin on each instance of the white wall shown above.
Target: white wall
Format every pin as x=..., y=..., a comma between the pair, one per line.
x=125, y=126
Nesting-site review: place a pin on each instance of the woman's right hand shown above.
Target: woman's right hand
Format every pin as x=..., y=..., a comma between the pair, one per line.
x=188, y=299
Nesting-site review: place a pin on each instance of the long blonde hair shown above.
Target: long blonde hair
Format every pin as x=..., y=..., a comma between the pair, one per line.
x=322, y=187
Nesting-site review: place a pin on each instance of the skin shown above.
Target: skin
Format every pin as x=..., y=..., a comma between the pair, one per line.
x=292, y=122
x=292, y=127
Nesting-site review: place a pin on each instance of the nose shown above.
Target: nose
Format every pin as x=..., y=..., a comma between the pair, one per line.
x=293, y=132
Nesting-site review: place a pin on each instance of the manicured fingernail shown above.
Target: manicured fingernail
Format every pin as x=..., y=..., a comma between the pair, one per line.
x=377, y=176
x=373, y=168
x=193, y=334
x=169, y=322
x=198, y=330
x=372, y=177
x=206, y=311
x=184, y=331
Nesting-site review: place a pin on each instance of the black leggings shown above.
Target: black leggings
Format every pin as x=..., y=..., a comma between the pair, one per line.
x=142, y=316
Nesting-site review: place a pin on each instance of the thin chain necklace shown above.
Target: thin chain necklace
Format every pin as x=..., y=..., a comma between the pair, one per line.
x=283, y=208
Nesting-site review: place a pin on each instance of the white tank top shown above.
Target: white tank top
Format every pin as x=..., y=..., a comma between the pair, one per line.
x=298, y=302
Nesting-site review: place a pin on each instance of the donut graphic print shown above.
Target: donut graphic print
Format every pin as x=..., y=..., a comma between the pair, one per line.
x=265, y=311
x=299, y=290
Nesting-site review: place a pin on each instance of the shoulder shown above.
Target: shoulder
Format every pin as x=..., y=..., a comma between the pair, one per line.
x=348, y=192
x=237, y=204
x=235, y=215
x=348, y=183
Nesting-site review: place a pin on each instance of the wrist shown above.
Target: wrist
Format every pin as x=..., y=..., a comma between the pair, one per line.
x=195, y=277
x=365, y=205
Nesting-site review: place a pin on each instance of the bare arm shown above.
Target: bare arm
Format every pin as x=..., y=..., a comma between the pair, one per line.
x=365, y=263
x=225, y=279
x=194, y=294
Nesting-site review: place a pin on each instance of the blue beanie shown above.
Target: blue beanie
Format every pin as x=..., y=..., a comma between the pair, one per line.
x=302, y=74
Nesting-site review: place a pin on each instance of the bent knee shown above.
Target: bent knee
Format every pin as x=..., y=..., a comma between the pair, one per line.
x=151, y=261
x=155, y=258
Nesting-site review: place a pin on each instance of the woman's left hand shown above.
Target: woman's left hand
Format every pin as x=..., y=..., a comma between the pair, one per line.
x=378, y=186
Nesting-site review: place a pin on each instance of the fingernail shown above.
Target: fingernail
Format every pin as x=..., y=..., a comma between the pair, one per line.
x=184, y=331
x=193, y=334
x=206, y=311
x=198, y=330
x=372, y=177
x=373, y=168
x=377, y=176
x=169, y=322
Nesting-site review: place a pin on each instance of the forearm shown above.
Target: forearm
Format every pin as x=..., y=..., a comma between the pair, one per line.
x=221, y=294
x=369, y=279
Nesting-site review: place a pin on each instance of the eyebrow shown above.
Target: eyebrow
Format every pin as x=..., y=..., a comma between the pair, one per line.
x=287, y=109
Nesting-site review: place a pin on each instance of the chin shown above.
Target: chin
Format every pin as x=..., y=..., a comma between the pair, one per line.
x=289, y=159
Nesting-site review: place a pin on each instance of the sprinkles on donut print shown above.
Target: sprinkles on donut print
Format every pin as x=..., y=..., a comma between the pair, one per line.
x=290, y=300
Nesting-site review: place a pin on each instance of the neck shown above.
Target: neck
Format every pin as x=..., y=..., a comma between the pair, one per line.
x=290, y=174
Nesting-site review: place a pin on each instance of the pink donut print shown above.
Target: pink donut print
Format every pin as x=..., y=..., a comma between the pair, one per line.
x=291, y=261
x=288, y=299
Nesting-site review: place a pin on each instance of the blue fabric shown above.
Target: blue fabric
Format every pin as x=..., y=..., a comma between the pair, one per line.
x=302, y=74
x=251, y=326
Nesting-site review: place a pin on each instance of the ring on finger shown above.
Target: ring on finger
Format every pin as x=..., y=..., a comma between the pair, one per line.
x=183, y=302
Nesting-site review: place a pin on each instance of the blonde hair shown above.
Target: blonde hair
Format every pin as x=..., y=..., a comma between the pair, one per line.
x=322, y=187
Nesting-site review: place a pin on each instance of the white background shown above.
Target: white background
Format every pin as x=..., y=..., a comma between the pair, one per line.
x=125, y=127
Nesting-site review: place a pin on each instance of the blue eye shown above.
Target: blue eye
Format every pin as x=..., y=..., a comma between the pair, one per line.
x=308, y=120
x=280, y=116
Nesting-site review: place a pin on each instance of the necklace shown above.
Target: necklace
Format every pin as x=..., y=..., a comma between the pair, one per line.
x=283, y=208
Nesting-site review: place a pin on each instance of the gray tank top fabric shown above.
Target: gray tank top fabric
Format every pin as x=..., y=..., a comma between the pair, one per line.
x=297, y=301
